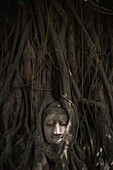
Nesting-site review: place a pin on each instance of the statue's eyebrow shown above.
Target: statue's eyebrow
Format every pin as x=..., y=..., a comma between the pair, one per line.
x=63, y=120
x=50, y=120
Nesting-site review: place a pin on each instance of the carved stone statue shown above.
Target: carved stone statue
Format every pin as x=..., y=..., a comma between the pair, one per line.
x=54, y=140
x=55, y=120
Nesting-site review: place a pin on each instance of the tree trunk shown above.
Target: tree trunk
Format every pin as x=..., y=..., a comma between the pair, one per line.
x=56, y=51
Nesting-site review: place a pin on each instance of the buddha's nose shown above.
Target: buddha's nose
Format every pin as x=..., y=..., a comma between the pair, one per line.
x=57, y=129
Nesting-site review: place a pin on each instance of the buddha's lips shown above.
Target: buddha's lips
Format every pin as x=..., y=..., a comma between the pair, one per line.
x=56, y=137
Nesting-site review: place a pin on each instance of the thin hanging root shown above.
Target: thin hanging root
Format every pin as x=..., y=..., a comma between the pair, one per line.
x=28, y=155
x=27, y=111
x=73, y=166
x=98, y=8
x=7, y=110
x=41, y=25
x=4, y=64
x=14, y=43
x=107, y=87
x=33, y=118
x=61, y=12
x=6, y=41
x=78, y=162
x=18, y=96
x=20, y=121
x=36, y=36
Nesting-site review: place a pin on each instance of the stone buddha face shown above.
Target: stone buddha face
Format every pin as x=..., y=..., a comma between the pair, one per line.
x=55, y=123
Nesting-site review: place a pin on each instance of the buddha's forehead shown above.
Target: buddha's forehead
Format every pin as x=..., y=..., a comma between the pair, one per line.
x=55, y=111
x=56, y=116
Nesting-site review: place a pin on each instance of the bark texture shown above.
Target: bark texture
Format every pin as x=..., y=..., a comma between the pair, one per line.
x=56, y=50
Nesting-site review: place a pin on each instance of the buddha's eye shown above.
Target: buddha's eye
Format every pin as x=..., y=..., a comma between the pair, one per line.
x=50, y=123
x=63, y=123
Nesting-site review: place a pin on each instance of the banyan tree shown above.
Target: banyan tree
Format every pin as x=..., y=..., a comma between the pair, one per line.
x=56, y=56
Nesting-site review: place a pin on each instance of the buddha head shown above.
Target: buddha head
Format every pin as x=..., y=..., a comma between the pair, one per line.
x=55, y=120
